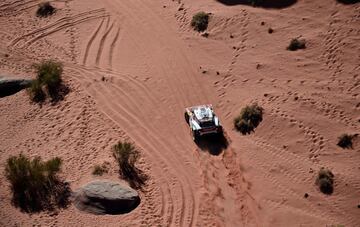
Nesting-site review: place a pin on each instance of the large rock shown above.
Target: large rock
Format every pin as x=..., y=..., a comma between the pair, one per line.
x=11, y=86
x=106, y=197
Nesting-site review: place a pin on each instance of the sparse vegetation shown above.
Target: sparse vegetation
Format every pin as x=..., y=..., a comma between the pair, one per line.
x=45, y=9
x=325, y=181
x=249, y=118
x=99, y=170
x=126, y=155
x=35, y=184
x=200, y=21
x=48, y=79
x=296, y=44
x=345, y=141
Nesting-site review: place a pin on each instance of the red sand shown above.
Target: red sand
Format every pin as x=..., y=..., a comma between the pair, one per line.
x=153, y=64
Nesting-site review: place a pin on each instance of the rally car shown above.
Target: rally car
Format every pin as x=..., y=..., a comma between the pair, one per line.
x=202, y=121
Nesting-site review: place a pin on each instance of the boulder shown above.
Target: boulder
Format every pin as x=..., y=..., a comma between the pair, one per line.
x=106, y=197
x=12, y=86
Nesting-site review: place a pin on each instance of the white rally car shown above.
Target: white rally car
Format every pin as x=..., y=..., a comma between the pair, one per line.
x=202, y=121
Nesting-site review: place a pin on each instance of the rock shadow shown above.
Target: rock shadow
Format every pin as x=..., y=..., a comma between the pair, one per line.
x=348, y=2
x=275, y=4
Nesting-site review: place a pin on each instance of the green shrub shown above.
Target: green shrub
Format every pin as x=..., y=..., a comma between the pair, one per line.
x=49, y=73
x=325, y=181
x=49, y=77
x=345, y=141
x=126, y=155
x=100, y=170
x=35, y=184
x=200, y=21
x=296, y=44
x=45, y=9
x=249, y=118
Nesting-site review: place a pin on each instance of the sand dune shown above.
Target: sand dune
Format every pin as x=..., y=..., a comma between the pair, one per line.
x=133, y=66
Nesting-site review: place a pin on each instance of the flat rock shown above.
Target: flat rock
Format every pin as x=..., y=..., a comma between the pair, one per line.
x=106, y=197
x=12, y=86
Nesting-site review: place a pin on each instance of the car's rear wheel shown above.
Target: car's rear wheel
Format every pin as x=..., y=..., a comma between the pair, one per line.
x=195, y=135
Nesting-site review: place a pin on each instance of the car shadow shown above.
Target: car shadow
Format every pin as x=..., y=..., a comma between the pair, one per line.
x=213, y=143
x=276, y=4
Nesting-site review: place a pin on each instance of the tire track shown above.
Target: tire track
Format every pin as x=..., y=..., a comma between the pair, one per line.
x=102, y=43
x=112, y=47
x=91, y=40
x=57, y=26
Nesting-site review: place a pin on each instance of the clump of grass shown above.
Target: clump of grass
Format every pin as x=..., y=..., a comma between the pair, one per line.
x=296, y=44
x=345, y=141
x=325, y=181
x=249, y=118
x=99, y=170
x=45, y=9
x=200, y=21
x=35, y=184
x=127, y=156
x=48, y=79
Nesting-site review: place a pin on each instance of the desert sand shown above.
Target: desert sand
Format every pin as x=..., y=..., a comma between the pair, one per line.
x=133, y=66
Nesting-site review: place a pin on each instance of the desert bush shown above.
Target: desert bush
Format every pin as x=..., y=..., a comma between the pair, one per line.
x=35, y=184
x=325, y=181
x=296, y=44
x=126, y=155
x=49, y=73
x=345, y=141
x=200, y=21
x=49, y=77
x=100, y=170
x=249, y=118
x=45, y=9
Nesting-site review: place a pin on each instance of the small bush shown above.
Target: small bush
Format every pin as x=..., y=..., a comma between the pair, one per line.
x=325, y=181
x=200, y=21
x=49, y=77
x=296, y=44
x=35, y=184
x=249, y=118
x=345, y=141
x=45, y=9
x=100, y=170
x=126, y=155
x=49, y=73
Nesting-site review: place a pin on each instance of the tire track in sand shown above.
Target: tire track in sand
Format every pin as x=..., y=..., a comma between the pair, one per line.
x=58, y=25
x=102, y=43
x=91, y=40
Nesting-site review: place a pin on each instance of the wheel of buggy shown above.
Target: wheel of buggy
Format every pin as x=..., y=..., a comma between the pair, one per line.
x=195, y=135
x=186, y=115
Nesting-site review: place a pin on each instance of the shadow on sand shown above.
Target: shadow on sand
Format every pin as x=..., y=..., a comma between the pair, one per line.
x=213, y=143
x=348, y=2
x=276, y=4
